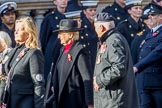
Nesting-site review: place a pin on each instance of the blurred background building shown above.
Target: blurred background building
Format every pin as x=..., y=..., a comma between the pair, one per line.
x=39, y=8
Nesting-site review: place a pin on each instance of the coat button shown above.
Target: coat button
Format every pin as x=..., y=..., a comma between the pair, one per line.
x=82, y=37
x=132, y=35
x=56, y=17
x=130, y=26
x=85, y=26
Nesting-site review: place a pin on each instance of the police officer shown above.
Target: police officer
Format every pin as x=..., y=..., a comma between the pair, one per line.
x=148, y=69
x=8, y=17
x=117, y=10
x=49, y=43
x=89, y=37
x=139, y=38
x=133, y=25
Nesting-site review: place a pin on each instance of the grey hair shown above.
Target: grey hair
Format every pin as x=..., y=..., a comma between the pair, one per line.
x=5, y=38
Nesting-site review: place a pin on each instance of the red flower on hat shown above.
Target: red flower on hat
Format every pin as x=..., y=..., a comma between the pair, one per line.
x=69, y=57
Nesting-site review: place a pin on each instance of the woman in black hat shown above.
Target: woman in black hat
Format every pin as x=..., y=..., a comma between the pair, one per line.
x=72, y=79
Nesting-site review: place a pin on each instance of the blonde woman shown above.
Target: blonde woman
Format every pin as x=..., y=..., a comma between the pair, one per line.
x=25, y=83
x=5, y=48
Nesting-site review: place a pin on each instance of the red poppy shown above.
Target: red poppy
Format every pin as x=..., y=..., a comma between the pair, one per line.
x=103, y=48
x=155, y=33
x=21, y=54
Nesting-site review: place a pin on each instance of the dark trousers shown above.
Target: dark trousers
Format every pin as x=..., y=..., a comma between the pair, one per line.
x=150, y=98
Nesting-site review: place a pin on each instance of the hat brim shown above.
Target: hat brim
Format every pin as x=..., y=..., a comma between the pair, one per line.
x=68, y=30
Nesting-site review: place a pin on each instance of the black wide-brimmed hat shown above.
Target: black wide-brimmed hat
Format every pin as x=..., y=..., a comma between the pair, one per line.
x=68, y=25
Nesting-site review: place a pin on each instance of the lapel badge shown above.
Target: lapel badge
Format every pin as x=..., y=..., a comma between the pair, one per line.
x=69, y=57
x=155, y=33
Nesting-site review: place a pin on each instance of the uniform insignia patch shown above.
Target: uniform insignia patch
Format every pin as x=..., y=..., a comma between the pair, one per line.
x=140, y=33
x=39, y=77
x=9, y=7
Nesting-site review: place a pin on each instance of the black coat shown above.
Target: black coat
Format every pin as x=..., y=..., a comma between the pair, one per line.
x=49, y=43
x=50, y=23
x=117, y=12
x=89, y=38
x=72, y=79
x=26, y=81
x=137, y=44
x=129, y=28
x=149, y=64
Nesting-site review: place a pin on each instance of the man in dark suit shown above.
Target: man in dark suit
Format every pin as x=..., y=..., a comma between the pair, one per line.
x=117, y=10
x=148, y=69
x=8, y=17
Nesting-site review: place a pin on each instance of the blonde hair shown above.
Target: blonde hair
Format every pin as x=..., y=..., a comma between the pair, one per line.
x=5, y=38
x=31, y=28
x=75, y=35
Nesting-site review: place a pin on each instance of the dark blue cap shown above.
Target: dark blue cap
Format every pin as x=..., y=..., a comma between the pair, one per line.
x=8, y=7
x=155, y=9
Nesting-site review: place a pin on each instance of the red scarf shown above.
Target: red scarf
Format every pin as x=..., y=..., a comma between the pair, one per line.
x=67, y=47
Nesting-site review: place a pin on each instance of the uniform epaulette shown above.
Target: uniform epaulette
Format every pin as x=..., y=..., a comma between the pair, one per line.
x=50, y=13
x=107, y=7
x=124, y=21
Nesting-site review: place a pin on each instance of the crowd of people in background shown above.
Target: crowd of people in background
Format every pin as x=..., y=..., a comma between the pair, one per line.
x=82, y=58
